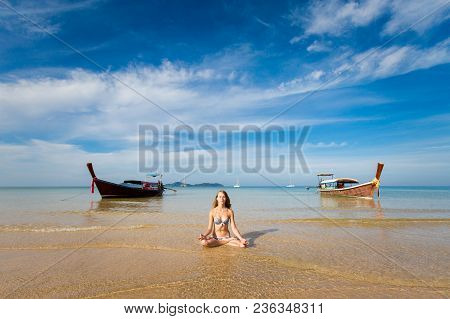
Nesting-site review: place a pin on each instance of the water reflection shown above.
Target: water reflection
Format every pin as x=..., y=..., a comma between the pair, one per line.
x=136, y=205
x=330, y=202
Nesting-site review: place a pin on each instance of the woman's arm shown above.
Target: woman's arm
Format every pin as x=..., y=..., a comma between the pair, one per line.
x=234, y=227
x=210, y=225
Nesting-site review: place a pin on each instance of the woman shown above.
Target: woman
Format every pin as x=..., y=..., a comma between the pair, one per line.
x=220, y=217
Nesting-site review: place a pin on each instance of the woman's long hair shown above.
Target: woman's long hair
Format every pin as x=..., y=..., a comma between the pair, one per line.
x=227, y=199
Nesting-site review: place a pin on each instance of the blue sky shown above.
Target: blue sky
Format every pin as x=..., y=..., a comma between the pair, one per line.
x=379, y=71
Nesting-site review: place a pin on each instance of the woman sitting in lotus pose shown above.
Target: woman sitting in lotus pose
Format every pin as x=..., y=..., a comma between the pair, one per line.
x=220, y=217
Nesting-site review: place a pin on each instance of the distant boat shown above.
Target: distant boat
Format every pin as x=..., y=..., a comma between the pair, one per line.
x=291, y=185
x=342, y=186
x=184, y=183
x=237, y=185
x=129, y=188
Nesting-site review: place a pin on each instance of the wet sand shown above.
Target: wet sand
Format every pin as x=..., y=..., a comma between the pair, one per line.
x=287, y=258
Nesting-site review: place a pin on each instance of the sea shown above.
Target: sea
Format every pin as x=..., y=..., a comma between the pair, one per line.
x=65, y=242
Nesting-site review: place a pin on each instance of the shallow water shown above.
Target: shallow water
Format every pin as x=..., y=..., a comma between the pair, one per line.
x=67, y=243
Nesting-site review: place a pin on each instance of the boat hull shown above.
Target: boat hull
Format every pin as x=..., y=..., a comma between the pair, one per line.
x=130, y=188
x=362, y=190
x=110, y=190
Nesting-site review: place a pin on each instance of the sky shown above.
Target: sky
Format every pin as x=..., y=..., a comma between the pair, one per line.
x=369, y=78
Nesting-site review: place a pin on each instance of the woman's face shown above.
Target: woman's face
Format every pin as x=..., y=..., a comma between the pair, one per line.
x=221, y=198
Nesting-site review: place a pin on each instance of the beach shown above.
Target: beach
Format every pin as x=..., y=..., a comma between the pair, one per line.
x=67, y=243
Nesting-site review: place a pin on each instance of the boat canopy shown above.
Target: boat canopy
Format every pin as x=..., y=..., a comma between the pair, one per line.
x=340, y=180
x=325, y=174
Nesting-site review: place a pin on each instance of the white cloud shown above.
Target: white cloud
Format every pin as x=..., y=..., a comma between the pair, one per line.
x=267, y=25
x=87, y=105
x=94, y=104
x=335, y=17
x=82, y=105
x=316, y=74
x=370, y=65
x=319, y=46
x=326, y=145
x=41, y=163
x=397, y=60
x=310, y=82
x=296, y=39
x=41, y=13
x=406, y=13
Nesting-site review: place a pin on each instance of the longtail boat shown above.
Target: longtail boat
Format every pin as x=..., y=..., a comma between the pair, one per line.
x=346, y=187
x=129, y=188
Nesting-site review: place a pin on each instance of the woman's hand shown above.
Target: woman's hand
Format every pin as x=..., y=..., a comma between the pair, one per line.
x=244, y=241
x=201, y=237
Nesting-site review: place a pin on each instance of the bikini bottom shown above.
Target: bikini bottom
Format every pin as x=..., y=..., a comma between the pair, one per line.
x=222, y=238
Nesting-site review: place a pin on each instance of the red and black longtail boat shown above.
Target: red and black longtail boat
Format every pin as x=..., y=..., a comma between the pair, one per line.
x=129, y=188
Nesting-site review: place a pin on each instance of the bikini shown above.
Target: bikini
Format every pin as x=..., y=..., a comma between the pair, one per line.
x=219, y=221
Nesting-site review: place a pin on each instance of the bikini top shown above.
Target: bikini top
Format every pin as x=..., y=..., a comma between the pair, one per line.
x=218, y=221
